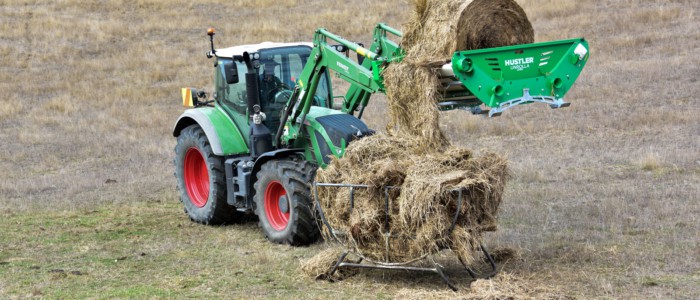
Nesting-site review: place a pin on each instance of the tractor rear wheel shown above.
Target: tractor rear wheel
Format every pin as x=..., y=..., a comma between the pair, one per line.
x=283, y=201
x=200, y=179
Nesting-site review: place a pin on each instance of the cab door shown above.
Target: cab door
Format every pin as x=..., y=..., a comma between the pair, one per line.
x=233, y=98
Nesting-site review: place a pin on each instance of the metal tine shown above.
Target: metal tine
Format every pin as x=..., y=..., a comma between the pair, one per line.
x=459, y=207
x=441, y=272
x=323, y=216
x=492, y=263
x=338, y=263
x=469, y=270
x=386, y=210
x=386, y=223
x=352, y=197
x=494, y=268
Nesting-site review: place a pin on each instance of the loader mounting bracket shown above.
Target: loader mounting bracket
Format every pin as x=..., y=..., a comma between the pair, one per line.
x=527, y=98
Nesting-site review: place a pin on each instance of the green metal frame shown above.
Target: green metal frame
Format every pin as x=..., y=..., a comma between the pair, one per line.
x=497, y=77
x=500, y=77
x=389, y=51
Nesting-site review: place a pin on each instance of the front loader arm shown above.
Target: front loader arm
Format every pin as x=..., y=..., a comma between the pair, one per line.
x=322, y=58
x=389, y=52
x=364, y=76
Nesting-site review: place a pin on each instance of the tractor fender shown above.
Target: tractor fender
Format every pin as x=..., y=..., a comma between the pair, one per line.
x=267, y=156
x=223, y=135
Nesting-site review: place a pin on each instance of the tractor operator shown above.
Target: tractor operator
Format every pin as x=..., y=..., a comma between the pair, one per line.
x=269, y=83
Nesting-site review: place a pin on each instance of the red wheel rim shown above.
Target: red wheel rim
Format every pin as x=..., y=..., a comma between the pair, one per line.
x=277, y=218
x=196, y=177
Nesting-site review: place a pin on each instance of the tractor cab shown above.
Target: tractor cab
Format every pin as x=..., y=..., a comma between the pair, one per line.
x=278, y=66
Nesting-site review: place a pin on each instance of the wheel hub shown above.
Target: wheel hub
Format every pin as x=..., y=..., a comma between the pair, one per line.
x=276, y=205
x=284, y=205
x=196, y=177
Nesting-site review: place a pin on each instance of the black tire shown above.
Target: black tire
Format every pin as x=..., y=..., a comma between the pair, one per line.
x=203, y=205
x=294, y=176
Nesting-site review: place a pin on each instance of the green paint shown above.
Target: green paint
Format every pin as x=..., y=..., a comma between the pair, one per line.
x=497, y=75
x=313, y=153
x=231, y=138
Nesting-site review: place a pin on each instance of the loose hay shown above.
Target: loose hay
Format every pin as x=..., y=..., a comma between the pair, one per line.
x=415, y=155
x=422, y=211
x=320, y=265
x=507, y=286
x=503, y=286
x=504, y=255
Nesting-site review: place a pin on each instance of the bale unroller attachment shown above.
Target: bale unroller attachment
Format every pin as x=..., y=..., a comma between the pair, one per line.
x=505, y=77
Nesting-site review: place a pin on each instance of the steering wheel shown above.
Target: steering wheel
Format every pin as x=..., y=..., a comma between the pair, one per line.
x=273, y=91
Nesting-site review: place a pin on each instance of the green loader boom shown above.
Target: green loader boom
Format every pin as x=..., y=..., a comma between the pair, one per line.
x=498, y=78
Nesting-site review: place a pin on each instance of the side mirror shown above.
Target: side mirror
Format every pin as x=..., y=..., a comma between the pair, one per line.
x=229, y=70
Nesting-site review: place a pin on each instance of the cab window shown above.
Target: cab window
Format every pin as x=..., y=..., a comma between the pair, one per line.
x=286, y=64
x=233, y=95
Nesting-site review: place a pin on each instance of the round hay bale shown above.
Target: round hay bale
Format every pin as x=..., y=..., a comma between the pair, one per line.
x=430, y=33
x=493, y=23
x=438, y=28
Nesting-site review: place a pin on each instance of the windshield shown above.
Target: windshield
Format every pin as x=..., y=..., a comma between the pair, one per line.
x=283, y=66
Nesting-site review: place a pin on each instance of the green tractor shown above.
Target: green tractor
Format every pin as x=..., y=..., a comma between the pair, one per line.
x=254, y=145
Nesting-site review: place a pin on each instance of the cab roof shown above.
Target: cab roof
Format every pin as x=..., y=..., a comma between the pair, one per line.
x=238, y=50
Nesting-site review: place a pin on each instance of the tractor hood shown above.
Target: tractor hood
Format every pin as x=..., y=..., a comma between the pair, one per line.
x=330, y=132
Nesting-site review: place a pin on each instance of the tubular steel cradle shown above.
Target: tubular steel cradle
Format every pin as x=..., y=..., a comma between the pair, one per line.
x=386, y=264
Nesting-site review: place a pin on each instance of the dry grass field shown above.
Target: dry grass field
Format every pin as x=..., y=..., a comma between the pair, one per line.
x=604, y=200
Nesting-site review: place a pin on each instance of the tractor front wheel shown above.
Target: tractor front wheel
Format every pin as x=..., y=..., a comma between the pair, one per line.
x=283, y=201
x=201, y=180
